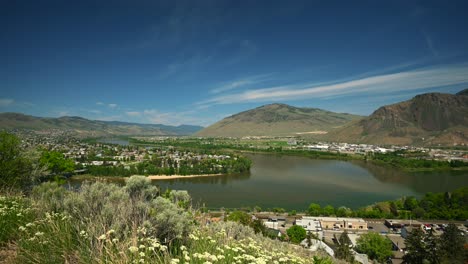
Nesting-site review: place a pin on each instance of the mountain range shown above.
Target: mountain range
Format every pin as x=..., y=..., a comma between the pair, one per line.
x=426, y=119
x=91, y=128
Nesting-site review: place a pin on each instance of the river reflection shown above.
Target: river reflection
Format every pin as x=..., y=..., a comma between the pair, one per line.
x=294, y=182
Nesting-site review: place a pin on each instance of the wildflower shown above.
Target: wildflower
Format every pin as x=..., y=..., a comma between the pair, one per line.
x=102, y=237
x=174, y=261
x=142, y=254
x=39, y=234
x=133, y=249
x=22, y=228
x=142, y=246
x=115, y=240
x=187, y=258
x=110, y=232
x=183, y=248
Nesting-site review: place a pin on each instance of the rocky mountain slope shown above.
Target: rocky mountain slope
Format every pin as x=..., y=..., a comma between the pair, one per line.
x=426, y=119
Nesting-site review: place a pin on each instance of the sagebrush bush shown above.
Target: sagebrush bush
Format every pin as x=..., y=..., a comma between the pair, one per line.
x=170, y=221
x=49, y=197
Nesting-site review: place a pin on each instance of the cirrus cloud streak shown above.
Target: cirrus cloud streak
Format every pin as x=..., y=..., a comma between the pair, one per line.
x=425, y=78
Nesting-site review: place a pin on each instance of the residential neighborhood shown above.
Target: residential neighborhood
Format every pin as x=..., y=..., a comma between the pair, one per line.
x=327, y=230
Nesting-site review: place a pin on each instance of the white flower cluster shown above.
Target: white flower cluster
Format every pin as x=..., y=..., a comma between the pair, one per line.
x=9, y=207
x=238, y=251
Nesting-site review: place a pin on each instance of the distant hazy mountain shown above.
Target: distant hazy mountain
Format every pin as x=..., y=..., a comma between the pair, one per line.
x=427, y=119
x=276, y=120
x=88, y=127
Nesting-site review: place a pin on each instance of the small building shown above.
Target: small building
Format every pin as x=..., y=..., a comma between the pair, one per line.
x=342, y=223
x=309, y=223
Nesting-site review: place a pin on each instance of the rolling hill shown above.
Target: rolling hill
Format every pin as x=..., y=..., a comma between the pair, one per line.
x=426, y=119
x=86, y=127
x=277, y=120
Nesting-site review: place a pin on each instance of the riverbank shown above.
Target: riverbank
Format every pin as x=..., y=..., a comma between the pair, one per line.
x=169, y=177
x=151, y=177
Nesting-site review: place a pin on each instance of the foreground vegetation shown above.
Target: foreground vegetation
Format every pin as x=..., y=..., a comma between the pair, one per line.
x=106, y=223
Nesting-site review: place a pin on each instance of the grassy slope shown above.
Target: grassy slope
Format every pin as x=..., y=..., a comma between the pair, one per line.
x=277, y=120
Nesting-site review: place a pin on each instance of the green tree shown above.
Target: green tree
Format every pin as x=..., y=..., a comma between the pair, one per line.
x=433, y=247
x=258, y=226
x=419, y=212
x=415, y=247
x=377, y=247
x=241, y=217
x=452, y=241
x=410, y=203
x=343, y=211
x=314, y=209
x=328, y=210
x=393, y=208
x=56, y=162
x=14, y=167
x=296, y=233
x=343, y=251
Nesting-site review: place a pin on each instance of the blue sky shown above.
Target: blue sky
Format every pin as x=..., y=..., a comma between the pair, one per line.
x=195, y=62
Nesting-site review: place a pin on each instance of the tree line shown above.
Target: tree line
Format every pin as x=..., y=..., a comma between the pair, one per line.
x=443, y=205
x=238, y=164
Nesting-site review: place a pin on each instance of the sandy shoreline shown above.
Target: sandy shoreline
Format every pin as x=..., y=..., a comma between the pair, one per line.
x=168, y=177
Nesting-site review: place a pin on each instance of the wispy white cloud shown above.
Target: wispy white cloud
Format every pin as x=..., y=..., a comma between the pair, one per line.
x=112, y=105
x=385, y=83
x=133, y=113
x=174, y=118
x=63, y=113
x=430, y=44
x=241, y=83
x=99, y=103
x=96, y=112
x=6, y=102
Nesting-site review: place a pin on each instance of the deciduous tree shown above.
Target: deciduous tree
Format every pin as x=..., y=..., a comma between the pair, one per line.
x=296, y=233
x=377, y=247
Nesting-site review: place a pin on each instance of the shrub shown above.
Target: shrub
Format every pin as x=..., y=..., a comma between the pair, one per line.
x=170, y=221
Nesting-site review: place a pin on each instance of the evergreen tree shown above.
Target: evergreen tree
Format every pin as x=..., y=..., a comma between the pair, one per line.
x=451, y=249
x=416, y=248
x=432, y=247
x=343, y=251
